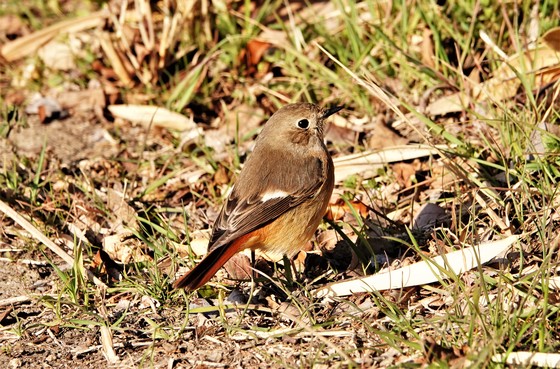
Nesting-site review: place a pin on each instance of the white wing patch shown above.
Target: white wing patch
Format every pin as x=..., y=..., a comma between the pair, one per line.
x=229, y=191
x=273, y=195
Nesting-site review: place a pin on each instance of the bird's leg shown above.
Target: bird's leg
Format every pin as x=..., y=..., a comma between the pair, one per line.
x=253, y=265
x=288, y=270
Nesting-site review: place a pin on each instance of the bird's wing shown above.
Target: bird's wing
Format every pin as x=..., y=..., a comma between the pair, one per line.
x=249, y=209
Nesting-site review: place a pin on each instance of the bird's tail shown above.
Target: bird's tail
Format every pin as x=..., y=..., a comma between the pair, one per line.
x=209, y=266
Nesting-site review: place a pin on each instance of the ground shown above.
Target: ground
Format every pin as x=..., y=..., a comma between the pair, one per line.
x=123, y=125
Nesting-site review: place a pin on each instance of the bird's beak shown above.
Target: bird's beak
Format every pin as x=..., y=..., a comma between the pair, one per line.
x=327, y=113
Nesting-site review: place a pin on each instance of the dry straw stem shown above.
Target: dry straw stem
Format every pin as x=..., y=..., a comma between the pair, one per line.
x=107, y=345
x=14, y=300
x=6, y=209
x=389, y=100
x=29, y=44
x=160, y=37
x=369, y=161
x=373, y=89
x=114, y=58
x=310, y=331
x=541, y=63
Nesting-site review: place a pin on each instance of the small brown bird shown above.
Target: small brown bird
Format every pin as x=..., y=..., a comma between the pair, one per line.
x=280, y=196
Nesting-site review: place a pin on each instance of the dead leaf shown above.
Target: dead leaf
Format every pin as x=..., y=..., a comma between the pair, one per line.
x=148, y=115
x=120, y=67
x=239, y=267
x=221, y=176
x=427, y=48
x=455, y=357
x=338, y=210
x=429, y=216
x=198, y=244
x=242, y=123
x=5, y=313
x=106, y=265
x=274, y=37
x=404, y=173
x=529, y=359
x=448, y=104
x=338, y=252
x=123, y=216
x=383, y=137
x=552, y=38
x=107, y=345
x=125, y=248
x=423, y=272
x=253, y=54
x=340, y=135
x=554, y=283
x=42, y=112
x=327, y=240
x=57, y=55
x=543, y=62
x=15, y=98
x=84, y=100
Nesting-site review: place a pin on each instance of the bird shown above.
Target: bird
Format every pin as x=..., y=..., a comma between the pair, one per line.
x=280, y=196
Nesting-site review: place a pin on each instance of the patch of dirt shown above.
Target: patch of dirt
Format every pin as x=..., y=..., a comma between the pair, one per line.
x=204, y=341
x=17, y=279
x=70, y=139
x=49, y=331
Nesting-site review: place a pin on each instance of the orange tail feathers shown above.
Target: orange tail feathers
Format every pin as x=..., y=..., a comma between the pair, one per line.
x=209, y=266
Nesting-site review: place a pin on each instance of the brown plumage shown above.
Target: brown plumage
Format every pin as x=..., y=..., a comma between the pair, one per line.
x=280, y=196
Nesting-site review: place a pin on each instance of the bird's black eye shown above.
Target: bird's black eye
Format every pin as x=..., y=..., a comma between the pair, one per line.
x=303, y=123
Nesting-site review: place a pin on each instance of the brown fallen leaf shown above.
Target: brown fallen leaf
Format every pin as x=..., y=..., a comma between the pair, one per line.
x=221, y=176
x=368, y=162
x=239, y=267
x=404, y=173
x=253, y=54
x=106, y=266
x=453, y=356
x=338, y=210
x=123, y=216
x=552, y=38
x=125, y=248
x=427, y=48
x=198, y=244
x=341, y=135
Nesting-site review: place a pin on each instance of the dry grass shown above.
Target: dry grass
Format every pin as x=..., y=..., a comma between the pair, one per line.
x=130, y=202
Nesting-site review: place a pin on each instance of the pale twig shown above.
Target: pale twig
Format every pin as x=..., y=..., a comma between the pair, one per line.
x=25, y=224
x=14, y=300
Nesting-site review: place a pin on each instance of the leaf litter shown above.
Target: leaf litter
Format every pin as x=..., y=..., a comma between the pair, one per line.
x=124, y=187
